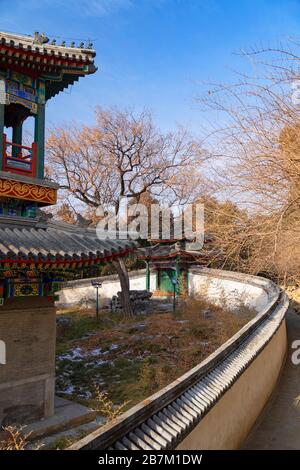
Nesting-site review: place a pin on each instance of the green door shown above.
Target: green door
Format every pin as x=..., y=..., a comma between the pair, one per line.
x=166, y=277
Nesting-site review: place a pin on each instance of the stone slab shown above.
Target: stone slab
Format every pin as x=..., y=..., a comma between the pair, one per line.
x=67, y=415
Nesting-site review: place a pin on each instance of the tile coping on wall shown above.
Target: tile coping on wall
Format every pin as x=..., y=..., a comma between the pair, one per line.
x=147, y=425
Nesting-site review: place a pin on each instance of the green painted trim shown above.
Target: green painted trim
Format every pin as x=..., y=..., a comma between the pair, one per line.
x=147, y=276
x=39, y=138
x=177, y=276
x=17, y=138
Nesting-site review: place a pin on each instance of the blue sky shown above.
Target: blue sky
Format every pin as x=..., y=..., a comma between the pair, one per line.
x=153, y=53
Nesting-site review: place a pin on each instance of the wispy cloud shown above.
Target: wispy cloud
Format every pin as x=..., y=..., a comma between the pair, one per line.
x=56, y=17
x=94, y=8
x=102, y=7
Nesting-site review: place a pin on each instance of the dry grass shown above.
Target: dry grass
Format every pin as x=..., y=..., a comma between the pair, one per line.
x=150, y=352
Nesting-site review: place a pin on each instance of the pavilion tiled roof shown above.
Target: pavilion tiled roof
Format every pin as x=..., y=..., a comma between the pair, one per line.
x=59, y=65
x=42, y=241
x=184, y=249
x=167, y=249
x=39, y=44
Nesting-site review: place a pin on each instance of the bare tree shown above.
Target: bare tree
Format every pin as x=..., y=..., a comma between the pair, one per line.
x=124, y=154
x=124, y=281
x=257, y=162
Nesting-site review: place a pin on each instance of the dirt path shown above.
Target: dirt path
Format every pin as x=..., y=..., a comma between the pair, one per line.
x=279, y=425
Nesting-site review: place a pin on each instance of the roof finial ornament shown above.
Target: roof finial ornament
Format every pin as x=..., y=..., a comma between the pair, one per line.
x=72, y=44
x=82, y=221
x=63, y=43
x=81, y=45
x=53, y=42
x=90, y=45
x=40, y=38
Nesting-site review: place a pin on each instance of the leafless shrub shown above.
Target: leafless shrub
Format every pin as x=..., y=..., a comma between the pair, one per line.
x=14, y=438
x=104, y=406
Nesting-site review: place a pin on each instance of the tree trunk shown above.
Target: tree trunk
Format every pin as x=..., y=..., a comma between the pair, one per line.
x=124, y=281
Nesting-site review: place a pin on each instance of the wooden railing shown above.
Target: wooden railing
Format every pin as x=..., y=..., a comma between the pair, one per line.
x=19, y=158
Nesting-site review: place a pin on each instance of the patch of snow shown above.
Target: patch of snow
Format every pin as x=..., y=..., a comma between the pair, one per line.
x=95, y=352
x=98, y=362
x=78, y=354
x=69, y=390
x=74, y=355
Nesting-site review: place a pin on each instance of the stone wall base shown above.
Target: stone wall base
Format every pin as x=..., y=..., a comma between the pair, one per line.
x=27, y=379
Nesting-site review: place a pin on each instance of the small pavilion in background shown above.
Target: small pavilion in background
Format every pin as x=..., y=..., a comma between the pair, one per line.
x=170, y=260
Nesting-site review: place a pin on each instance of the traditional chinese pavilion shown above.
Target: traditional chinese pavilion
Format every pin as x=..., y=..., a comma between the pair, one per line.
x=36, y=254
x=170, y=260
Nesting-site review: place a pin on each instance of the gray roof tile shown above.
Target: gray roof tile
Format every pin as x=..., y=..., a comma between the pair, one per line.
x=51, y=240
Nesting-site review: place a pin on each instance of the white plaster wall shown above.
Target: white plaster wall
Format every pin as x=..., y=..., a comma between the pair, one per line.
x=228, y=292
x=78, y=292
x=229, y=421
x=220, y=287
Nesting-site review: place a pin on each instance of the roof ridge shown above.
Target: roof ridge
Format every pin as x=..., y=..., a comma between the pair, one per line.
x=41, y=40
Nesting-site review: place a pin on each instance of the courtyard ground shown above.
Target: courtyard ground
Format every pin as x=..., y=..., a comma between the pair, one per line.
x=122, y=361
x=113, y=363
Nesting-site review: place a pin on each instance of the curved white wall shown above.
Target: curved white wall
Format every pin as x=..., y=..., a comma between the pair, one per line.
x=220, y=287
x=77, y=291
x=230, y=290
x=215, y=404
